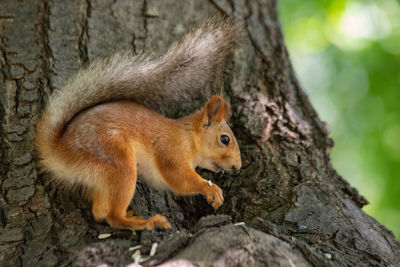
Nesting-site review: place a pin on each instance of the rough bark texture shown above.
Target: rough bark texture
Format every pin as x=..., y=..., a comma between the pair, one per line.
x=304, y=212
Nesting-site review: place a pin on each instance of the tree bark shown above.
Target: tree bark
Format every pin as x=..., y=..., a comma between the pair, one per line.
x=304, y=212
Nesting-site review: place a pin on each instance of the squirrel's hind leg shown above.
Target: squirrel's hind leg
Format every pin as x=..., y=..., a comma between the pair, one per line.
x=100, y=205
x=120, y=197
x=131, y=214
x=120, y=184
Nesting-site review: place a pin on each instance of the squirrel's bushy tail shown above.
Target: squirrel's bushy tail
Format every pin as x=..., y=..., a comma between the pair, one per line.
x=195, y=63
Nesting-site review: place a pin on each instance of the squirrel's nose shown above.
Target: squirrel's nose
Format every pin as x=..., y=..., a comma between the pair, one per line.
x=237, y=166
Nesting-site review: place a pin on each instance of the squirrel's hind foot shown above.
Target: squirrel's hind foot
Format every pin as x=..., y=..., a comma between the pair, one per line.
x=138, y=223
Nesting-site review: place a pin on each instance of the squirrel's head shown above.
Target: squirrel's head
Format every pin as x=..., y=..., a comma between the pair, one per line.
x=216, y=145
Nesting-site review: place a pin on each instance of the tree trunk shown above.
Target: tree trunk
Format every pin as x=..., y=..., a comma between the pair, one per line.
x=304, y=212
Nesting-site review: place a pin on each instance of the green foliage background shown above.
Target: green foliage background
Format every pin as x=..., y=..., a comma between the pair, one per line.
x=347, y=56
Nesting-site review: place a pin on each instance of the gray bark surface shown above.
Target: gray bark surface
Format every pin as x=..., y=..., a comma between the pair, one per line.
x=297, y=210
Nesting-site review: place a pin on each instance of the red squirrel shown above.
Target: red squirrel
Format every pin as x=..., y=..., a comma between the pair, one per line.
x=100, y=129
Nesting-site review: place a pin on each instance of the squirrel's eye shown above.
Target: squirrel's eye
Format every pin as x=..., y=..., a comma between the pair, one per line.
x=224, y=139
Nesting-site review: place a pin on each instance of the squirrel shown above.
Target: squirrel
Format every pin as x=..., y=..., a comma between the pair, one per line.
x=100, y=130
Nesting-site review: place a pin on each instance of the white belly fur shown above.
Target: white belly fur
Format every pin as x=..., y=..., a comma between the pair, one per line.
x=146, y=167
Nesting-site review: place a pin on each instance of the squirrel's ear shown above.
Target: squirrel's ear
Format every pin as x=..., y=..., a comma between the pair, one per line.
x=227, y=110
x=217, y=109
x=214, y=111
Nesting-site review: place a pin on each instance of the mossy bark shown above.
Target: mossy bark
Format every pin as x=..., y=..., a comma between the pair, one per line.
x=304, y=211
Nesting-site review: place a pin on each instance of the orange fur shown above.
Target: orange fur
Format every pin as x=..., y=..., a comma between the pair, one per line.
x=105, y=147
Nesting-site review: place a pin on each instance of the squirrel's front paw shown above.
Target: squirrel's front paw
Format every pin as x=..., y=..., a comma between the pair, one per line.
x=214, y=196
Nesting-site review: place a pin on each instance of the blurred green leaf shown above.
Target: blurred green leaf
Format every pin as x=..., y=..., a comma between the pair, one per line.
x=347, y=56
